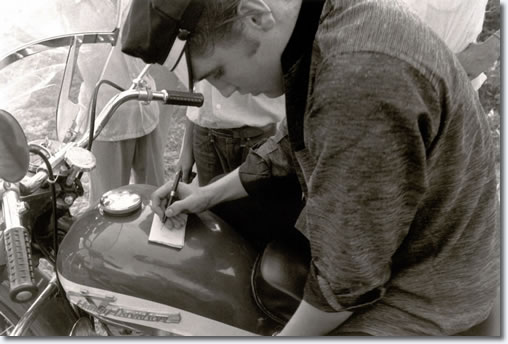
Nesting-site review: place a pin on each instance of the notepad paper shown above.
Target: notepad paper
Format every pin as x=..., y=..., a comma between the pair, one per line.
x=171, y=233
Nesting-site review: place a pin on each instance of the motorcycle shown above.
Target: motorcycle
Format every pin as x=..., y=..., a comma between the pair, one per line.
x=95, y=272
x=95, y=285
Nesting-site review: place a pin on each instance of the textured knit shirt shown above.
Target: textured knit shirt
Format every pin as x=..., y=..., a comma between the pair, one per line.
x=395, y=158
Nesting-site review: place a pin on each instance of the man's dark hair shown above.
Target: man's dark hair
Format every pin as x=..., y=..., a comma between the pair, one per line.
x=216, y=24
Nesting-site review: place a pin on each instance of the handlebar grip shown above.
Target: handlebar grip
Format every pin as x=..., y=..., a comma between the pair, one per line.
x=184, y=98
x=19, y=264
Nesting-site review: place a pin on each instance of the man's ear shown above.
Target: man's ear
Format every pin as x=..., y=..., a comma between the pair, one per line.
x=257, y=13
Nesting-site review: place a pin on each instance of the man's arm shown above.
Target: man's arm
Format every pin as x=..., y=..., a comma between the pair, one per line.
x=479, y=57
x=268, y=169
x=271, y=161
x=310, y=321
x=363, y=137
x=186, y=160
x=198, y=199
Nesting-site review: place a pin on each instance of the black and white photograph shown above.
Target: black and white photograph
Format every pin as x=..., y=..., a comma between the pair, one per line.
x=251, y=168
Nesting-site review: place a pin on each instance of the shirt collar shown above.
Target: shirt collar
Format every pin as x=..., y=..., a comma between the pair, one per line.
x=303, y=34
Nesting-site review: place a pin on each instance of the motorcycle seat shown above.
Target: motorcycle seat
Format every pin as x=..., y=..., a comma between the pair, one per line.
x=279, y=276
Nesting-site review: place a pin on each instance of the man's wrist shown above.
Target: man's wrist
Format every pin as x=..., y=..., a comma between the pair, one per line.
x=227, y=188
x=214, y=194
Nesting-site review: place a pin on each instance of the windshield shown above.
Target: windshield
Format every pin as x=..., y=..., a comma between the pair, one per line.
x=32, y=79
x=25, y=21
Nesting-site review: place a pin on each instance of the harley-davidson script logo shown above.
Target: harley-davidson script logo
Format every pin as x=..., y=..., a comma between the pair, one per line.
x=102, y=306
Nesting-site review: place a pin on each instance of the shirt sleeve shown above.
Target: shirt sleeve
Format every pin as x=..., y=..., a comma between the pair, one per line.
x=268, y=169
x=372, y=119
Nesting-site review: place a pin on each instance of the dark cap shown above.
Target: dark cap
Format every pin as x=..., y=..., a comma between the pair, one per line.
x=152, y=26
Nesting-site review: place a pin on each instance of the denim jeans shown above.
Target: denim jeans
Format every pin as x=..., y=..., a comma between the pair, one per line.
x=220, y=151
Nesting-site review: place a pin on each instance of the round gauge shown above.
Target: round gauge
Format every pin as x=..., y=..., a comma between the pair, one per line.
x=80, y=158
x=120, y=202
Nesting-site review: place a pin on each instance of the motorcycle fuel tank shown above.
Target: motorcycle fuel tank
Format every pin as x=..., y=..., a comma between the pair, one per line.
x=108, y=267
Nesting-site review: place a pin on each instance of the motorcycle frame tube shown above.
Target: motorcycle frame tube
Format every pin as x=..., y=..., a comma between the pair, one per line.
x=31, y=314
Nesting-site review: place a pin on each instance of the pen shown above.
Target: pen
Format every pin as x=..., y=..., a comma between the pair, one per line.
x=172, y=193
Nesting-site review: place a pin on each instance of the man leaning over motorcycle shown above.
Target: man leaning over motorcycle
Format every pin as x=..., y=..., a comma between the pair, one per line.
x=391, y=148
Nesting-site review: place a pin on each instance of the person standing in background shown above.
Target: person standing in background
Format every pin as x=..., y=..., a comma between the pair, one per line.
x=131, y=146
x=218, y=135
x=459, y=23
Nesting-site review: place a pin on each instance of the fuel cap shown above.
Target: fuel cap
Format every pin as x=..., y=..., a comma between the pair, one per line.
x=120, y=202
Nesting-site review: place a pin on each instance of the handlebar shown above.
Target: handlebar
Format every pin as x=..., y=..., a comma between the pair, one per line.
x=17, y=247
x=180, y=98
x=31, y=184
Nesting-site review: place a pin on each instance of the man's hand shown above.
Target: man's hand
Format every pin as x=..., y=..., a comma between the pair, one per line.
x=194, y=199
x=191, y=199
x=310, y=321
x=479, y=57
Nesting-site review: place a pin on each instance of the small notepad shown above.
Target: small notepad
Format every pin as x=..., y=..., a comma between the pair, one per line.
x=171, y=233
